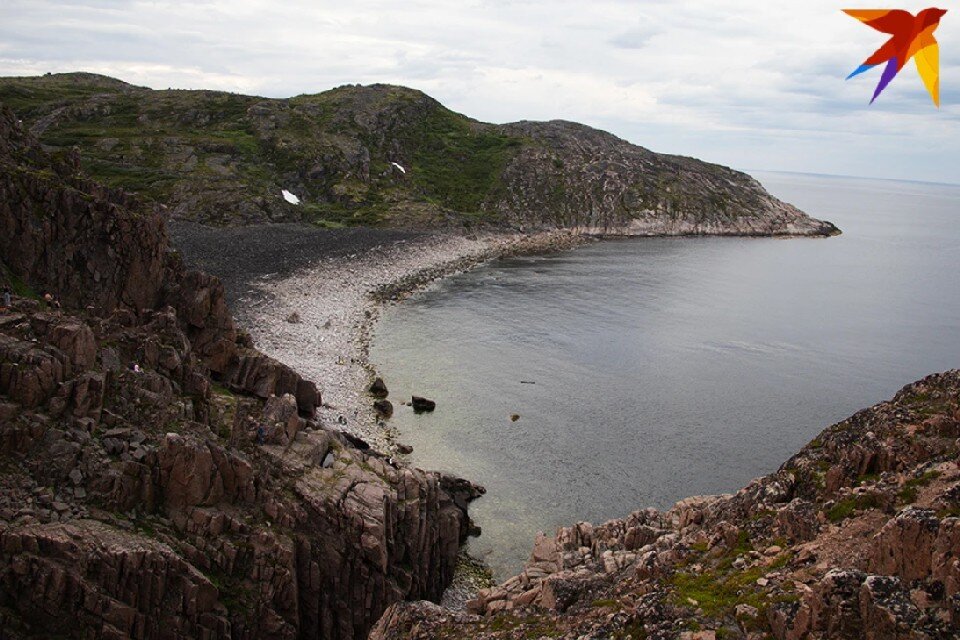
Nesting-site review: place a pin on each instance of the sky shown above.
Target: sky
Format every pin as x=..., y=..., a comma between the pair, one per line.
x=757, y=85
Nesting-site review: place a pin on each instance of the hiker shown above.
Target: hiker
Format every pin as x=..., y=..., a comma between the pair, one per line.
x=261, y=434
x=7, y=301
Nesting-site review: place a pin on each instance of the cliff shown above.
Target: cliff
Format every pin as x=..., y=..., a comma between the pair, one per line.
x=857, y=536
x=137, y=501
x=383, y=155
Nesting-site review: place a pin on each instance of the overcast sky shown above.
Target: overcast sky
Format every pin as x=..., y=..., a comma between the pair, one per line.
x=755, y=84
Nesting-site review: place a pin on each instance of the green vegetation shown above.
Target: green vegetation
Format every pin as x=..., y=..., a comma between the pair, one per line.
x=925, y=405
x=908, y=492
x=224, y=153
x=606, y=603
x=455, y=162
x=17, y=285
x=718, y=589
x=845, y=508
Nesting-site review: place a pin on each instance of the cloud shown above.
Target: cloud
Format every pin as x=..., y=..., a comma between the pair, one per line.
x=745, y=83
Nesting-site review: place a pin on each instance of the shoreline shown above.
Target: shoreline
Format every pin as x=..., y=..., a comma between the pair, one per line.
x=320, y=318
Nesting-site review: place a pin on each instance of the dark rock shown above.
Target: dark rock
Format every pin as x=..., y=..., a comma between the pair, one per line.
x=421, y=405
x=384, y=408
x=404, y=449
x=379, y=389
x=355, y=441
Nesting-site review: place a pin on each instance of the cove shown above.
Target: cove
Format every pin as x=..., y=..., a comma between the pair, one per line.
x=648, y=370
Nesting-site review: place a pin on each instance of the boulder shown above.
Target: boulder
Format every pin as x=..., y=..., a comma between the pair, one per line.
x=384, y=408
x=422, y=405
x=378, y=389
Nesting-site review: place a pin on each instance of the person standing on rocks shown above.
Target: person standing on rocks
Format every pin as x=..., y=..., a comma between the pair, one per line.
x=7, y=298
x=261, y=434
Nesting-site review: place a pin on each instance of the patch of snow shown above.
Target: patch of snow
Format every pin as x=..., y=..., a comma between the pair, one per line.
x=402, y=170
x=289, y=197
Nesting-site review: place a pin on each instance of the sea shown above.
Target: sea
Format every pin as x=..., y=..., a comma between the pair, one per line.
x=631, y=373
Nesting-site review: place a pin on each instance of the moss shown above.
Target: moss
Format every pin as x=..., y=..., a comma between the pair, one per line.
x=456, y=163
x=716, y=593
x=17, y=285
x=524, y=627
x=845, y=508
x=221, y=390
x=867, y=478
x=606, y=603
x=911, y=488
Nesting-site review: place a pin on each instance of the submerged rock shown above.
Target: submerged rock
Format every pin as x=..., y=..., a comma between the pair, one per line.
x=384, y=408
x=421, y=405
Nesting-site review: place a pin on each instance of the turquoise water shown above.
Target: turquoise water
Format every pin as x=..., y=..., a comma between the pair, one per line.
x=668, y=367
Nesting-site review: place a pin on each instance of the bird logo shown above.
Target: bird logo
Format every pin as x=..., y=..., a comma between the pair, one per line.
x=911, y=37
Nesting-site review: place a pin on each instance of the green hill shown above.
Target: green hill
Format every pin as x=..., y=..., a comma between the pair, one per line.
x=381, y=155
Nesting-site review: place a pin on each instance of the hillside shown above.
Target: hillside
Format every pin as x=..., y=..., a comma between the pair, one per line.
x=159, y=476
x=382, y=155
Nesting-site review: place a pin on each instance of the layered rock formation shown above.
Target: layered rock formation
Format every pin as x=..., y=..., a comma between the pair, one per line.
x=384, y=155
x=857, y=536
x=136, y=498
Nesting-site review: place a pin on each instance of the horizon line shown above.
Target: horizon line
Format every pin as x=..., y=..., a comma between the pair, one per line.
x=847, y=176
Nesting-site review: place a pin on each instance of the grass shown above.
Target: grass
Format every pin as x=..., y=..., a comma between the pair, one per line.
x=719, y=589
x=453, y=165
x=606, y=603
x=456, y=165
x=911, y=488
x=845, y=508
x=17, y=285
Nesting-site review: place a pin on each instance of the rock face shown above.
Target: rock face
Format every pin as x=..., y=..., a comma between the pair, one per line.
x=134, y=500
x=226, y=158
x=857, y=536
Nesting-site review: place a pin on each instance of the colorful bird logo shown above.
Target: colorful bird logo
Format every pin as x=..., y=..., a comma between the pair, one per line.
x=912, y=37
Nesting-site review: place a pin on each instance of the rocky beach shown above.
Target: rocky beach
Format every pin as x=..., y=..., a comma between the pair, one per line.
x=318, y=316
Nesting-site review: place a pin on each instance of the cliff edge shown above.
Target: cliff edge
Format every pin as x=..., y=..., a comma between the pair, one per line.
x=159, y=476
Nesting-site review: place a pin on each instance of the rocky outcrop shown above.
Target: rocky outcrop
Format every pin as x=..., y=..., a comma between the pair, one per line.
x=135, y=500
x=100, y=250
x=857, y=536
x=387, y=155
x=594, y=181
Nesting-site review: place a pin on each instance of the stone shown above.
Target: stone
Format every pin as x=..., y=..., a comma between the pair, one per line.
x=422, y=405
x=404, y=449
x=384, y=408
x=378, y=389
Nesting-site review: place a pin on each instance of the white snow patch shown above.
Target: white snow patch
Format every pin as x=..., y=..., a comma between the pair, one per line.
x=402, y=170
x=289, y=197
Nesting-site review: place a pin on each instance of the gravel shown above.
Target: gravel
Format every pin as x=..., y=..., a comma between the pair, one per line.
x=241, y=255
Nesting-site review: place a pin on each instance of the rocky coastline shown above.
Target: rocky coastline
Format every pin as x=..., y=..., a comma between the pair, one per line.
x=166, y=473
x=319, y=319
x=856, y=536
x=161, y=477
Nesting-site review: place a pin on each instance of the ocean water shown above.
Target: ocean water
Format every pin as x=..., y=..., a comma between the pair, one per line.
x=669, y=367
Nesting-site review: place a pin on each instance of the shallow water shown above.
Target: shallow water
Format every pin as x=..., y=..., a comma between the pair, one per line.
x=669, y=367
